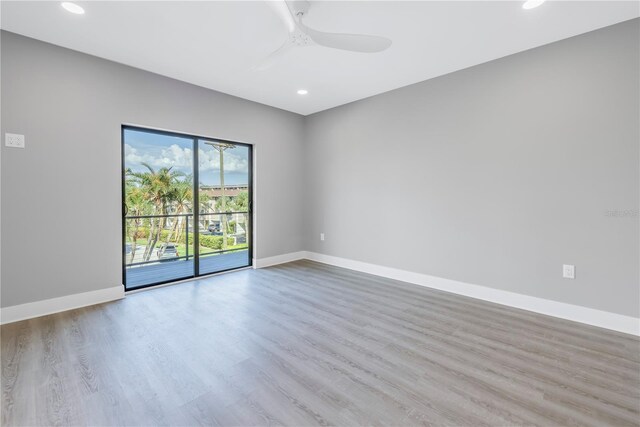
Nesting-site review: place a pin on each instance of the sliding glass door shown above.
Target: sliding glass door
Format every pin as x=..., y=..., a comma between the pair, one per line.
x=179, y=220
x=224, y=190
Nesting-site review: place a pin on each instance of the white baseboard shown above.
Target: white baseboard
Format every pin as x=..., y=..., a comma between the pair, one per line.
x=590, y=316
x=278, y=259
x=55, y=305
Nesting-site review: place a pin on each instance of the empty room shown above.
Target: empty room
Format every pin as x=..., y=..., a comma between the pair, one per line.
x=335, y=213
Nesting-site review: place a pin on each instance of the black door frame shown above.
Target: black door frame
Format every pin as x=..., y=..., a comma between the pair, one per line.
x=196, y=202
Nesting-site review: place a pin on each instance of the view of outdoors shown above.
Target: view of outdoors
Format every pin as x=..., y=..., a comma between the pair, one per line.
x=160, y=226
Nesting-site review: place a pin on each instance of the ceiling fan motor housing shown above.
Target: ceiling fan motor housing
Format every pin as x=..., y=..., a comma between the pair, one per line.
x=298, y=7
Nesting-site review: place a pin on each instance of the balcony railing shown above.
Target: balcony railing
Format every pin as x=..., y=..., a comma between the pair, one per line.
x=172, y=236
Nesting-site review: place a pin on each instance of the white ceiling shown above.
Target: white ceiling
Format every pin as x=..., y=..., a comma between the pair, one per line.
x=216, y=44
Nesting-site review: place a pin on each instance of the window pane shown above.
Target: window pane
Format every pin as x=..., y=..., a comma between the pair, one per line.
x=159, y=208
x=224, y=206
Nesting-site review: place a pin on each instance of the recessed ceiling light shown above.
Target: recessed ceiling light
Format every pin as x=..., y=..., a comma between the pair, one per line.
x=72, y=7
x=302, y=92
x=530, y=4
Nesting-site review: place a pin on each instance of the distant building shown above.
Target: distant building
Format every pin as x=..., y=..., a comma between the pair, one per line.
x=213, y=222
x=215, y=191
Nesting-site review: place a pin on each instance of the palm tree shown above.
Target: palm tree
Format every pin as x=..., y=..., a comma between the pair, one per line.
x=223, y=202
x=181, y=199
x=240, y=203
x=158, y=187
x=137, y=205
x=205, y=207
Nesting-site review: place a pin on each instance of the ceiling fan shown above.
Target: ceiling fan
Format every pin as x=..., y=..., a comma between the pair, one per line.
x=299, y=35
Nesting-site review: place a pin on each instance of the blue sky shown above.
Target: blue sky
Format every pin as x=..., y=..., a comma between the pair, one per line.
x=171, y=151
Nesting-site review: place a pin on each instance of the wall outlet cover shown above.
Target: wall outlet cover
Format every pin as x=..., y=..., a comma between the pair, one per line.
x=569, y=271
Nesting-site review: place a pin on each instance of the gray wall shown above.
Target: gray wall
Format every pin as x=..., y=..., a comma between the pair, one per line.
x=61, y=215
x=495, y=175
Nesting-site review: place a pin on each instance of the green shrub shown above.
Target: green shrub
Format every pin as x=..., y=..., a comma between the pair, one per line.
x=211, y=242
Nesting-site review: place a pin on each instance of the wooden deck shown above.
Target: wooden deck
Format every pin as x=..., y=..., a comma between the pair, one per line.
x=181, y=269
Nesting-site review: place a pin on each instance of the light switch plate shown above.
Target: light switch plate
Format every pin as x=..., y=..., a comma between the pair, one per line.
x=14, y=140
x=569, y=271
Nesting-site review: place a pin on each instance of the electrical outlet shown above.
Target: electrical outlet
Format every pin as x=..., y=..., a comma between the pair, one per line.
x=14, y=140
x=322, y=236
x=569, y=271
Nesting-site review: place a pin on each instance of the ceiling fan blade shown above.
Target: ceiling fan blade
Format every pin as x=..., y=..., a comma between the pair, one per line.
x=270, y=59
x=351, y=42
x=281, y=9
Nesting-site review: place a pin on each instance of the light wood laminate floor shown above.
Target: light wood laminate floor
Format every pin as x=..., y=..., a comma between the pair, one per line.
x=308, y=344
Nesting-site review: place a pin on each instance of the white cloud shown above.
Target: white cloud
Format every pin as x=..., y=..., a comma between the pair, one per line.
x=181, y=159
x=210, y=161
